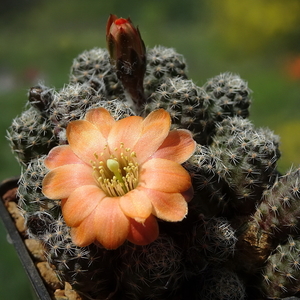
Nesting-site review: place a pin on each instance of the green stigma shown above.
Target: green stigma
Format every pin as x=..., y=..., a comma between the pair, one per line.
x=114, y=166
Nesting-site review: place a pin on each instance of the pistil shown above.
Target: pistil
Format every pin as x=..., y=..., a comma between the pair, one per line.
x=117, y=176
x=114, y=167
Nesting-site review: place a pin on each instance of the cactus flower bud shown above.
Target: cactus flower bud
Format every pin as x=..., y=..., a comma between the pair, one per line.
x=127, y=51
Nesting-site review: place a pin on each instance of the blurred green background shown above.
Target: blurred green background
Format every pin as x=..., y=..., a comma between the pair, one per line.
x=258, y=39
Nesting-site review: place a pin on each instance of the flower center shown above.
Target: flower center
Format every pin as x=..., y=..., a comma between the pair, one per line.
x=117, y=175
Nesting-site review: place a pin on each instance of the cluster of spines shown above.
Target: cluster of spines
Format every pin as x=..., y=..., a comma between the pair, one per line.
x=280, y=275
x=30, y=135
x=221, y=283
x=232, y=94
x=279, y=212
x=188, y=105
x=249, y=158
x=93, y=67
x=232, y=173
x=211, y=248
x=162, y=63
x=198, y=109
x=31, y=198
x=154, y=271
x=214, y=239
x=41, y=97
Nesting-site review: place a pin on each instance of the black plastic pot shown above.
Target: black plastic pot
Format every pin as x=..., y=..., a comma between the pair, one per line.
x=17, y=241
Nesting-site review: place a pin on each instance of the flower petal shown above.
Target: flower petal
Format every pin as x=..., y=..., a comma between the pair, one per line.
x=164, y=175
x=170, y=207
x=85, y=140
x=178, y=146
x=143, y=233
x=61, y=155
x=110, y=223
x=62, y=181
x=102, y=119
x=127, y=131
x=136, y=205
x=84, y=235
x=155, y=129
x=81, y=203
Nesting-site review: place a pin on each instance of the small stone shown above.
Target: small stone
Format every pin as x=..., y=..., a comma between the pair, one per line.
x=70, y=293
x=60, y=295
x=36, y=248
x=14, y=211
x=67, y=294
x=48, y=275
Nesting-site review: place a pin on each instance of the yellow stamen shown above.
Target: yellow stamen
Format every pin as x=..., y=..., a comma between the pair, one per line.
x=116, y=177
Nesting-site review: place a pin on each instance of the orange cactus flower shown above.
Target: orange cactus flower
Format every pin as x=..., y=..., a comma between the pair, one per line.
x=115, y=178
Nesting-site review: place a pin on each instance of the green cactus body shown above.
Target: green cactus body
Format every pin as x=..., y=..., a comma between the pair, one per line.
x=234, y=171
x=278, y=213
x=93, y=67
x=221, y=284
x=154, y=271
x=281, y=273
x=189, y=106
x=162, y=63
x=232, y=94
x=215, y=239
x=30, y=136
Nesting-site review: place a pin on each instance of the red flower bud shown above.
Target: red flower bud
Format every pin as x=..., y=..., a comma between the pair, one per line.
x=122, y=37
x=127, y=50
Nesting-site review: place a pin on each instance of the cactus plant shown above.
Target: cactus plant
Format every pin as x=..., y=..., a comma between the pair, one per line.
x=240, y=236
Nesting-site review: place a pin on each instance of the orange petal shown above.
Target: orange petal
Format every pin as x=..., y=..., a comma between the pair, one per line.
x=164, y=175
x=143, y=233
x=178, y=146
x=84, y=235
x=81, y=203
x=102, y=119
x=110, y=223
x=61, y=155
x=85, y=140
x=170, y=207
x=155, y=129
x=136, y=204
x=62, y=181
x=127, y=131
